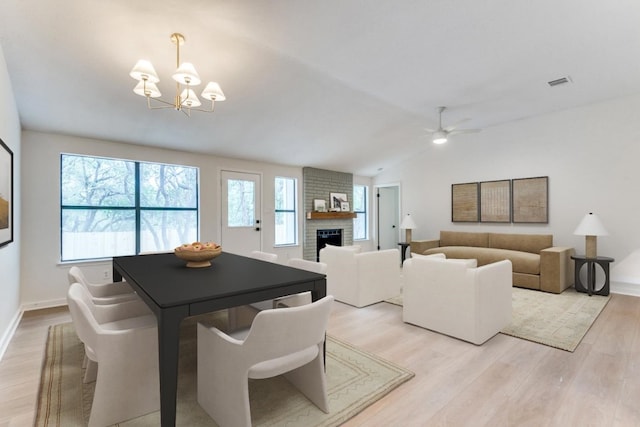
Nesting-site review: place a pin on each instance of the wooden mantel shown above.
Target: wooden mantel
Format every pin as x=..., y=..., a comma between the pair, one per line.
x=331, y=215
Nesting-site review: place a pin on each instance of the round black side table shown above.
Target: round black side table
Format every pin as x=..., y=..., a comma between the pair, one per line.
x=603, y=262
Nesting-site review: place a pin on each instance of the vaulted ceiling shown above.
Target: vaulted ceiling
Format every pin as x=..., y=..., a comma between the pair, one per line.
x=345, y=85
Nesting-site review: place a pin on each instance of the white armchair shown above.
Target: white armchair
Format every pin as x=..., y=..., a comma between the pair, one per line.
x=361, y=279
x=456, y=298
x=124, y=342
x=285, y=341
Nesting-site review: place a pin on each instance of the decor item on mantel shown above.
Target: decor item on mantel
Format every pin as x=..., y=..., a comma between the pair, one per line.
x=185, y=75
x=408, y=224
x=337, y=199
x=319, y=205
x=591, y=227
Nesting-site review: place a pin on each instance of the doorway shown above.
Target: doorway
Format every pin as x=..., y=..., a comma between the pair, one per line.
x=241, y=229
x=388, y=216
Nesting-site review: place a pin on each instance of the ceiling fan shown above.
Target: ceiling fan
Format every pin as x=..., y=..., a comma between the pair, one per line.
x=440, y=135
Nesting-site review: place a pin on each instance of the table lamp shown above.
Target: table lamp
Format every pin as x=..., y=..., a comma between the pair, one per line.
x=408, y=225
x=590, y=227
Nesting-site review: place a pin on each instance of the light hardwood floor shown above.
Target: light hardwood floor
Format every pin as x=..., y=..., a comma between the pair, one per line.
x=505, y=382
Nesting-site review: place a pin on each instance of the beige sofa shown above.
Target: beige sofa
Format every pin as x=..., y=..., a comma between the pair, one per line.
x=537, y=264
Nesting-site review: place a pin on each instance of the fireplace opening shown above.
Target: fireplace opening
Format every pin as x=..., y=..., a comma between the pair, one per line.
x=325, y=237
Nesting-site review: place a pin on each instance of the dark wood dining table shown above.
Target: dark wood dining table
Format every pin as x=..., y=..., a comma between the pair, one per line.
x=173, y=292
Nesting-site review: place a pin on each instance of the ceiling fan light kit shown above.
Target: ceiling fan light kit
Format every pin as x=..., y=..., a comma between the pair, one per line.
x=185, y=76
x=439, y=137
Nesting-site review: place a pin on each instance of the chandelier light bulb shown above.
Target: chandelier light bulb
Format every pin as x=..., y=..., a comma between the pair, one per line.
x=146, y=88
x=213, y=92
x=187, y=75
x=189, y=99
x=143, y=70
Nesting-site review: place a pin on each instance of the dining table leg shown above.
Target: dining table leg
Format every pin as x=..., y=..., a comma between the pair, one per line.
x=168, y=352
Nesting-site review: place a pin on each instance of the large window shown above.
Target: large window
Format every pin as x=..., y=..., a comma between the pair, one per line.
x=285, y=212
x=112, y=207
x=360, y=228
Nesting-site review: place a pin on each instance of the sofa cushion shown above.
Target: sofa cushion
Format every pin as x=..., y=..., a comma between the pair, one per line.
x=461, y=238
x=533, y=243
x=522, y=262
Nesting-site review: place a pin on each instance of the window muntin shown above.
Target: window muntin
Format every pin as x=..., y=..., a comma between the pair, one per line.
x=360, y=228
x=286, y=222
x=113, y=207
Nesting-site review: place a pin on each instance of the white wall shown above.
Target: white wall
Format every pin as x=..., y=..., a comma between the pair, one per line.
x=590, y=154
x=10, y=254
x=44, y=281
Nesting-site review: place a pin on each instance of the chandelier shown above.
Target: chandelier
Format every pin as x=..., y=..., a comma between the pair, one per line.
x=186, y=78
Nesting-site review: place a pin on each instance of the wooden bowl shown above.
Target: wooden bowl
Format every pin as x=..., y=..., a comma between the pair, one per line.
x=197, y=259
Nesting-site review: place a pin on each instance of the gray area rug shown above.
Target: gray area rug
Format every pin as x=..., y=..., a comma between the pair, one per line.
x=556, y=320
x=355, y=380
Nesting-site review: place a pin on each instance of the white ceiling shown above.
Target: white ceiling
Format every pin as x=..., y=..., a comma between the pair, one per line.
x=346, y=85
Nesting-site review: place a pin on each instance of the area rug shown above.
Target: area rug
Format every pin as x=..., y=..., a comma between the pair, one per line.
x=556, y=320
x=355, y=380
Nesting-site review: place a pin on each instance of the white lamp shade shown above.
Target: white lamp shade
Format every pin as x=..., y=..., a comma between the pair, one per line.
x=143, y=70
x=213, y=92
x=189, y=99
x=407, y=223
x=439, y=137
x=590, y=226
x=186, y=74
x=147, y=89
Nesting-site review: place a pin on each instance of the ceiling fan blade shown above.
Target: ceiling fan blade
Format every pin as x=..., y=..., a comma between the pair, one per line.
x=430, y=130
x=458, y=131
x=456, y=124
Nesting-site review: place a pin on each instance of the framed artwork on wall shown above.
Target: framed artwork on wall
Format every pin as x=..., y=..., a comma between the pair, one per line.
x=495, y=201
x=464, y=202
x=6, y=194
x=531, y=200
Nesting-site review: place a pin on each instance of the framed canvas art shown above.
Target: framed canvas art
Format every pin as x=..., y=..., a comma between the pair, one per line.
x=6, y=194
x=464, y=202
x=531, y=200
x=495, y=201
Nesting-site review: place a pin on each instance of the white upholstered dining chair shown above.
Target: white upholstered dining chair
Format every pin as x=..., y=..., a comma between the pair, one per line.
x=305, y=297
x=280, y=341
x=123, y=342
x=107, y=293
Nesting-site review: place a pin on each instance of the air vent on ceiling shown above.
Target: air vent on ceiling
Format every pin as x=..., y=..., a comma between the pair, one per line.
x=560, y=81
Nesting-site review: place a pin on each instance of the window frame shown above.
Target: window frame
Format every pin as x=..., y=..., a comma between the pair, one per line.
x=136, y=208
x=294, y=211
x=364, y=212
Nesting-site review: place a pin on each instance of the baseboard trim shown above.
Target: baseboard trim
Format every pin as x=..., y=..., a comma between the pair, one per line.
x=44, y=304
x=631, y=289
x=11, y=330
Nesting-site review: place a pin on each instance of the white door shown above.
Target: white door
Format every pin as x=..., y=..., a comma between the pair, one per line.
x=240, y=205
x=388, y=217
